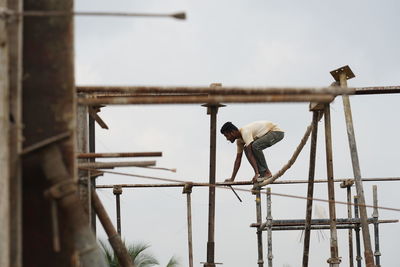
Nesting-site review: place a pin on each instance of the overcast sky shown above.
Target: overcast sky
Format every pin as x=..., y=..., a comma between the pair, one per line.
x=243, y=43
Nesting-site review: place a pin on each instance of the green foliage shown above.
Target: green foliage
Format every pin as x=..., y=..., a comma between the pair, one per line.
x=139, y=255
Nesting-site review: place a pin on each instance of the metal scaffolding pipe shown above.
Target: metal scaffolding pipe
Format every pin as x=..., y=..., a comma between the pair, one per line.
x=269, y=226
x=310, y=190
x=215, y=90
x=100, y=165
x=302, y=222
x=375, y=215
x=388, y=179
x=210, y=99
x=118, y=155
x=260, y=261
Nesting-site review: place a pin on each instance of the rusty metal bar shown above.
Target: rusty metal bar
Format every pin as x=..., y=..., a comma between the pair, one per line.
x=323, y=227
x=260, y=261
x=14, y=36
x=357, y=230
x=117, y=191
x=216, y=90
x=188, y=191
x=212, y=111
x=114, y=238
x=119, y=155
x=99, y=165
x=56, y=13
x=334, y=260
x=375, y=215
x=369, y=259
x=388, y=179
x=377, y=90
x=269, y=226
x=211, y=99
x=92, y=149
x=4, y=148
x=302, y=222
x=350, y=233
x=310, y=190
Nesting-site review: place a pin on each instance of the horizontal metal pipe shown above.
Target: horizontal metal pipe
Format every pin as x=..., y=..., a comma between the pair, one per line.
x=210, y=99
x=99, y=165
x=301, y=222
x=246, y=183
x=217, y=90
x=377, y=90
x=119, y=155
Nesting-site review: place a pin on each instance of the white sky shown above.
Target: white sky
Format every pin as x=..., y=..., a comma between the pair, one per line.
x=242, y=43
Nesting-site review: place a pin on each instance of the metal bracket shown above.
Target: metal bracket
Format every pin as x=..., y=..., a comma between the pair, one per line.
x=347, y=183
x=334, y=260
x=345, y=69
x=117, y=189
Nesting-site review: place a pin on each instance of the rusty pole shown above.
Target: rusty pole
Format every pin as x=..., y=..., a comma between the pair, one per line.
x=92, y=149
x=357, y=230
x=14, y=29
x=334, y=259
x=260, y=261
x=113, y=237
x=269, y=227
x=117, y=190
x=4, y=148
x=310, y=190
x=119, y=155
x=187, y=189
x=212, y=110
x=345, y=73
x=348, y=184
x=375, y=215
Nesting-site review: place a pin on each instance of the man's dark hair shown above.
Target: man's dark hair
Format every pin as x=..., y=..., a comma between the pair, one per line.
x=228, y=127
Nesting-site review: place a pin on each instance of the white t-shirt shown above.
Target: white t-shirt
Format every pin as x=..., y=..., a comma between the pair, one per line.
x=253, y=131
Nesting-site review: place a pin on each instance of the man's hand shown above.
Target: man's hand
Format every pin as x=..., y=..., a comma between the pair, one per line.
x=230, y=180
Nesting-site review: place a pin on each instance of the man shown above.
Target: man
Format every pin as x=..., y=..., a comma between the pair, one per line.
x=253, y=139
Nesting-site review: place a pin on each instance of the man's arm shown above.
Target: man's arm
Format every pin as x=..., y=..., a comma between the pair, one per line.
x=250, y=156
x=236, y=167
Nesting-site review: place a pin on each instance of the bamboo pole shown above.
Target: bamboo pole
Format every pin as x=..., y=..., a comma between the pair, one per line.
x=369, y=259
x=211, y=99
x=4, y=148
x=334, y=259
x=310, y=191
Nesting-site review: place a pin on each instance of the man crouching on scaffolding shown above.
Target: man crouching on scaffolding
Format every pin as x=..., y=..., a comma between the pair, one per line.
x=253, y=138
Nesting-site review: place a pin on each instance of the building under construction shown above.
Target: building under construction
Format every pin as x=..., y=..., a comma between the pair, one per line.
x=48, y=168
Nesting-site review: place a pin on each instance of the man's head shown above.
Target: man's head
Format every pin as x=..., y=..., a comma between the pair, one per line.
x=230, y=131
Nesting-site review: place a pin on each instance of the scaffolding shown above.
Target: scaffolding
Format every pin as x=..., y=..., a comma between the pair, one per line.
x=48, y=185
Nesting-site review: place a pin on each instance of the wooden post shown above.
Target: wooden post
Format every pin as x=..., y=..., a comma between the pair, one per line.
x=269, y=227
x=14, y=28
x=260, y=261
x=187, y=189
x=310, y=190
x=334, y=260
x=4, y=149
x=342, y=75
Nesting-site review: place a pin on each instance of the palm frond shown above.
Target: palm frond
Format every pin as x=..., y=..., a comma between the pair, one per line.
x=173, y=262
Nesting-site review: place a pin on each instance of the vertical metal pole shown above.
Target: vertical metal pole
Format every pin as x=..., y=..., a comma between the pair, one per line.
x=259, y=231
x=188, y=191
x=350, y=232
x=92, y=149
x=375, y=215
x=14, y=29
x=357, y=230
x=334, y=260
x=310, y=191
x=4, y=148
x=269, y=227
x=369, y=259
x=117, y=190
x=211, y=196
